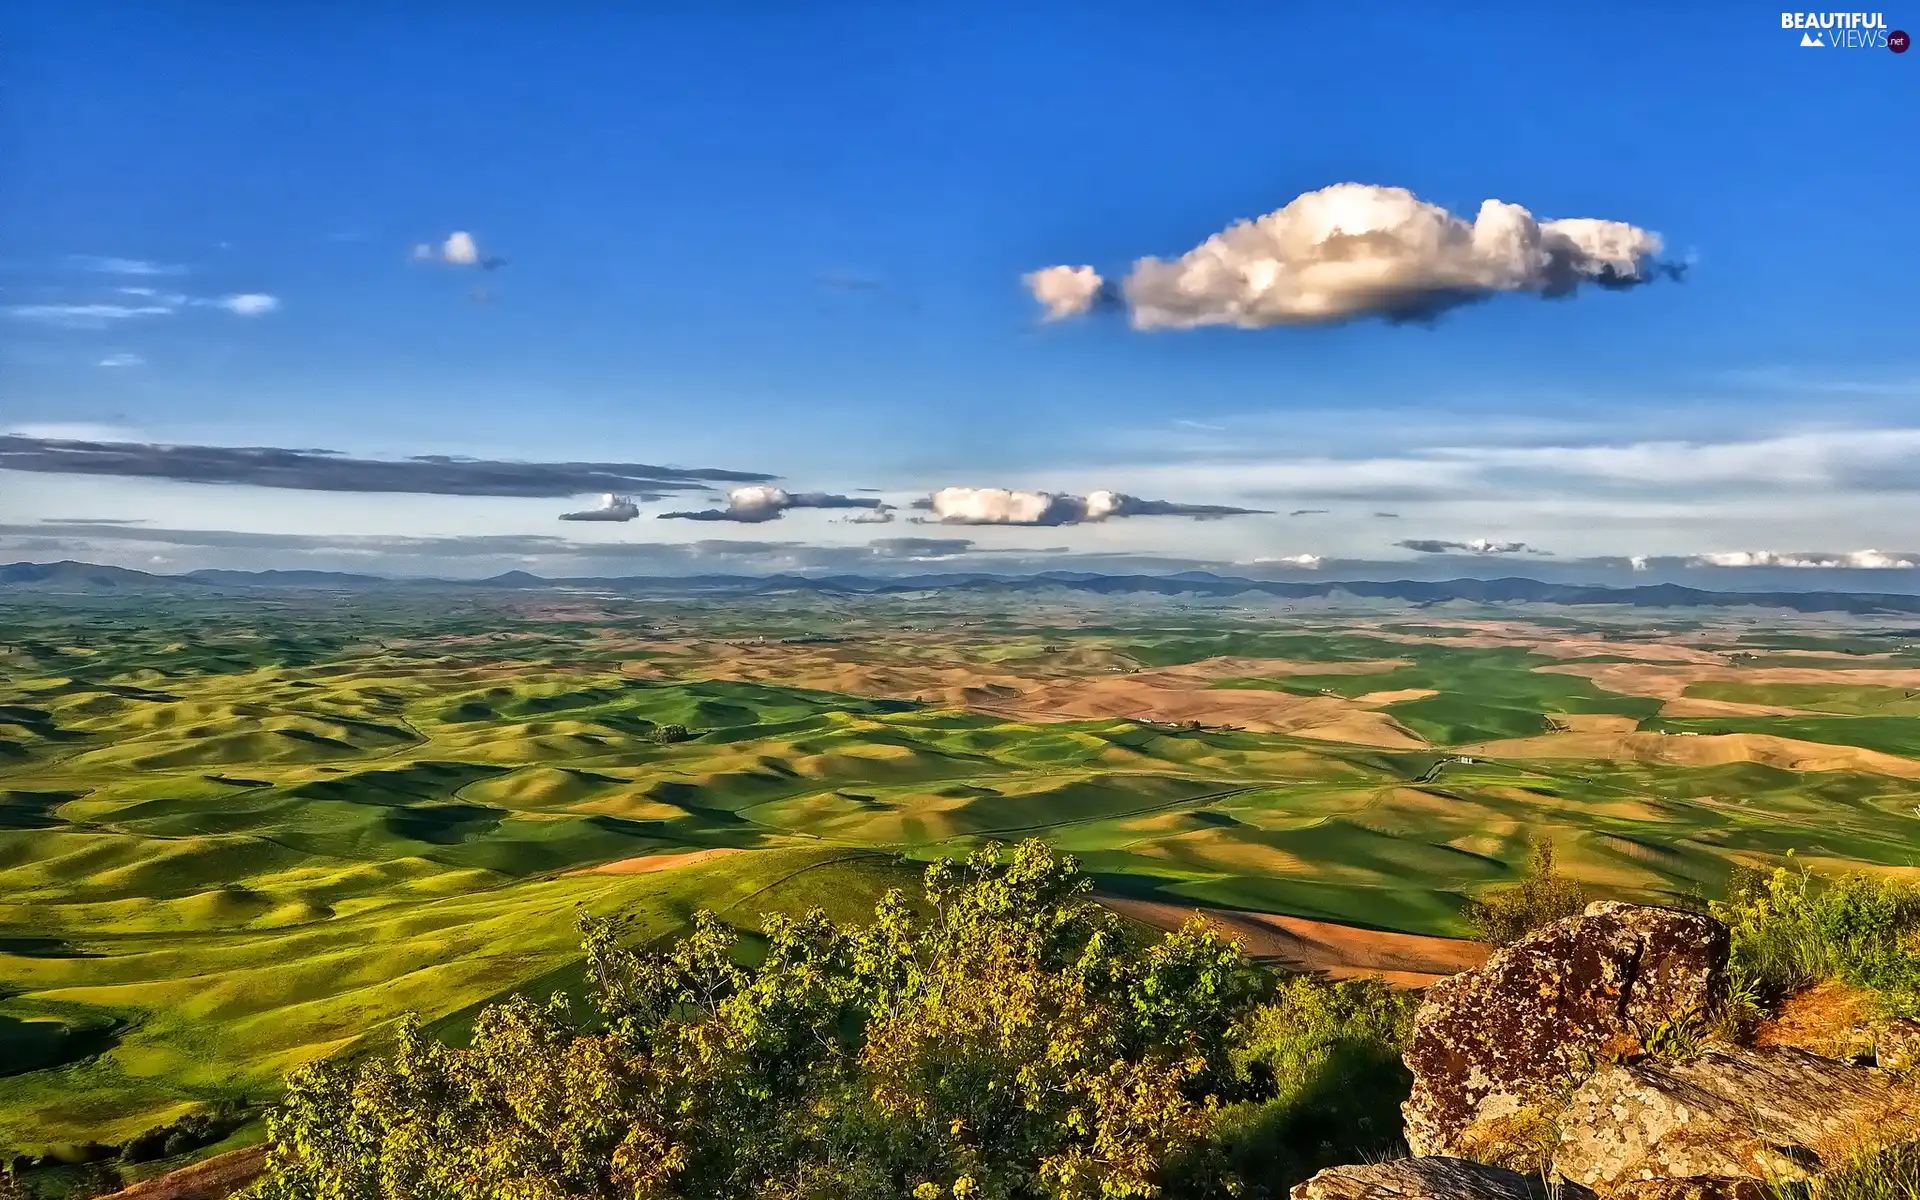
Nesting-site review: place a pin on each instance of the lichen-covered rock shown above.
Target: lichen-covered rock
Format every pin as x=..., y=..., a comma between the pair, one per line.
x=1896, y=1044
x=1494, y=1045
x=1761, y=1114
x=1435, y=1178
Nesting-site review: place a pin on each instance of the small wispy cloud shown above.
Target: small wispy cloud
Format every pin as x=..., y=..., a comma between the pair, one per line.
x=111, y=265
x=248, y=304
x=140, y=302
x=121, y=360
x=1797, y=380
x=73, y=449
x=86, y=316
x=1475, y=546
x=919, y=549
x=460, y=249
x=1065, y=291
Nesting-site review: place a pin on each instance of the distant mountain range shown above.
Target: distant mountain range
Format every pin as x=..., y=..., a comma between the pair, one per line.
x=68, y=577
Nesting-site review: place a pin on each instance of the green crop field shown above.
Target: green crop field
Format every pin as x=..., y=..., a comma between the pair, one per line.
x=1844, y=699
x=240, y=832
x=1481, y=694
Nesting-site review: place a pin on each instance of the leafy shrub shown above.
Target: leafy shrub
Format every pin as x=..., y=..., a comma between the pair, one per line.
x=95, y=1179
x=1323, y=1061
x=1542, y=897
x=667, y=735
x=188, y=1133
x=1792, y=928
x=1012, y=1042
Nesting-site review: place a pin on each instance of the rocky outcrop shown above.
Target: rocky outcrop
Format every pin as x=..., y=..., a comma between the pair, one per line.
x=1493, y=1047
x=1436, y=1178
x=1722, y=1116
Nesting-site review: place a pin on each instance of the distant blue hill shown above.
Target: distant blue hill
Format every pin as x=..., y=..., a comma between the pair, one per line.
x=90, y=577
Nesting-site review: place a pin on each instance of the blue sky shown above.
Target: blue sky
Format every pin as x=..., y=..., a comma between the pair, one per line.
x=770, y=241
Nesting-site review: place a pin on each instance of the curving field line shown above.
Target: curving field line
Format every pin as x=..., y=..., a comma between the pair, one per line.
x=1406, y=960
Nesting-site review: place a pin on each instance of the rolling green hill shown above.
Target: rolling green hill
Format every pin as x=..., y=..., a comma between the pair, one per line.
x=237, y=833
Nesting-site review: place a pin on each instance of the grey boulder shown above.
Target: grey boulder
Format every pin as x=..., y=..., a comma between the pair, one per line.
x=1726, y=1115
x=1433, y=1178
x=1492, y=1048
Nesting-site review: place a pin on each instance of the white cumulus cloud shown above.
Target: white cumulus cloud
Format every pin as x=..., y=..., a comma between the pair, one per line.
x=1064, y=291
x=459, y=249
x=1007, y=506
x=754, y=503
x=996, y=506
x=1860, y=560
x=610, y=508
x=1310, y=562
x=1359, y=250
x=758, y=502
x=1874, y=560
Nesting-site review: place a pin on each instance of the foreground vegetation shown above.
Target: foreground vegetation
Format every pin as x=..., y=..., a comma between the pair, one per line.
x=1793, y=929
x=1003, y=1038
x=1008, y=1038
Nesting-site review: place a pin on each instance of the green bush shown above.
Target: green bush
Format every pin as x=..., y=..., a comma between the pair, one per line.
x=188, y=1133
x=1792, y=928
x=95, y=1179
x=1542, y=897
x=1321, y=1062
x=1012, y=1042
